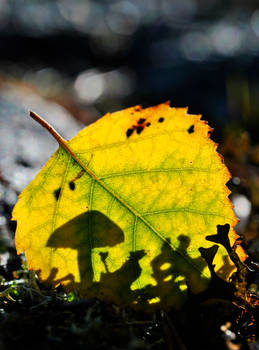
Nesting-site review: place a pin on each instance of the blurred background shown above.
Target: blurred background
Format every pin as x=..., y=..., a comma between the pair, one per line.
x=73, y=61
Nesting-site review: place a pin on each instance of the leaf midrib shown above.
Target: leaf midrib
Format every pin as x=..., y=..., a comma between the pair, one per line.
x=125, y=204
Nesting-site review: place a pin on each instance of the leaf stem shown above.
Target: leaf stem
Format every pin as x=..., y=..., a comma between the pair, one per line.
x=63, y=143
x=49, y=128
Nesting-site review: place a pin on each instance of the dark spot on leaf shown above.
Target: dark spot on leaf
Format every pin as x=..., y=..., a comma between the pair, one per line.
x=160, y=120
x=72, y=185
x=129, y=132
x=191, y=129
x=141, y=121
x=148, y=124
x=57, y=193
x=139, y=129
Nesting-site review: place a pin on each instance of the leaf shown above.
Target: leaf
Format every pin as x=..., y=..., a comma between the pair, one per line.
x=120, y=211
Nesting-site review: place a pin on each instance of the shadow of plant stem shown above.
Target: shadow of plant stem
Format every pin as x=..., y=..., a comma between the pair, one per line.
x=174, y=271
x=240, y=277
x=222, y=238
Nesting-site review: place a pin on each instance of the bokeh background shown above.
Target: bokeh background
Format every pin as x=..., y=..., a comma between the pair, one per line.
x=105, y=55
x=73, y=61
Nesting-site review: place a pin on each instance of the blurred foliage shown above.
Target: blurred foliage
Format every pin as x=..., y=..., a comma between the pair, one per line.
x=242, y=159
x=110, y=54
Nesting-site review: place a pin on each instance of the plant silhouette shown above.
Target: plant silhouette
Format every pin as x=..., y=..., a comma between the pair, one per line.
x=173, y=270
x=120, y=280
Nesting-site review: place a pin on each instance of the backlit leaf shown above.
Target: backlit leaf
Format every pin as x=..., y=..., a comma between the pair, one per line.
x=121, y=212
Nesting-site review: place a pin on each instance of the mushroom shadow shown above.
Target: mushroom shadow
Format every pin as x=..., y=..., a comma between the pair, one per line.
x=85, y=232
x=174, y=270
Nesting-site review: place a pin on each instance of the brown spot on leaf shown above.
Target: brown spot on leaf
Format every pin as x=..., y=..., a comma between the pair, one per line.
x=129, y=132
x=160, y=120
x=81, y=173
x=72, y=185
x=141, y=121
x=191, y=129
x=57, y=193
x=139, y=129
x=148, y=124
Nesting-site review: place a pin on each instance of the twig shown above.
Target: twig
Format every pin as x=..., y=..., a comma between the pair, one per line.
x=50, y=129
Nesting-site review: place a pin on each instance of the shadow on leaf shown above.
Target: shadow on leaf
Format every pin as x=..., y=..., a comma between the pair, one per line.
x=77, y=234
x=175, y=273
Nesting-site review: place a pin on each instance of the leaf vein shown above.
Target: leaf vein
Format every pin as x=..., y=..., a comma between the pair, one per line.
x=124, y=203
x=187, y=210
x=148, y=171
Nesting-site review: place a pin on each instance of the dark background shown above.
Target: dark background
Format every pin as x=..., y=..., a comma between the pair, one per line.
x=107, y=55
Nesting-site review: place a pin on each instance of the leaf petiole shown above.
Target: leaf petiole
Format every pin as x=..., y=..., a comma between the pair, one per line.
x=49, y=128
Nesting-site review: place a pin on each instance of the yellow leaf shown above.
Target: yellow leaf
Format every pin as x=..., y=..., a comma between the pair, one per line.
x=120, y=211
